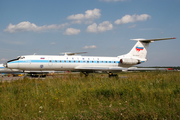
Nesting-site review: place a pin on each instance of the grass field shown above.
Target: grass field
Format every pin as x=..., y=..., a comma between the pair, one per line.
x=140, y=95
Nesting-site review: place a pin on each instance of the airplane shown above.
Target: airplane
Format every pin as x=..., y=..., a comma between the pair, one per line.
x=85, y=64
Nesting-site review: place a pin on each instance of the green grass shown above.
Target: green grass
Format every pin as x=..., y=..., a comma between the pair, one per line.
x=142, y=95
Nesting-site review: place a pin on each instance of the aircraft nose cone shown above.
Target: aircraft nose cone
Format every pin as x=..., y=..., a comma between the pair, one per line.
x=5, y=65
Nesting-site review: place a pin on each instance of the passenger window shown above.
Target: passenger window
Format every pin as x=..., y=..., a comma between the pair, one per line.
x=55, y=60
x=60, y=61
x=109, y=61
x=50, y=61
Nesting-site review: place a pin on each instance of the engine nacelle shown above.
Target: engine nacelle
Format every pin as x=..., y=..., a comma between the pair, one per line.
x=129, y=61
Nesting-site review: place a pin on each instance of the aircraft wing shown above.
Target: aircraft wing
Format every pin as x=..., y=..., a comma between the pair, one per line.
x=70, y=53
x=81, y=68
x=100, y=68
x=38, y=71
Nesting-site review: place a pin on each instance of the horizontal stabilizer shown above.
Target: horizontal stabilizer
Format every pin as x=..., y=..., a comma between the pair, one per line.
x=152, y=40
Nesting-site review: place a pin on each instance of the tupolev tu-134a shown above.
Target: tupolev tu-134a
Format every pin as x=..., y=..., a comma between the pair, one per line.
x=85, y=64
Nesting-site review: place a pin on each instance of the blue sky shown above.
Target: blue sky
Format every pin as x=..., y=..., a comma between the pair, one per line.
x=98, y=27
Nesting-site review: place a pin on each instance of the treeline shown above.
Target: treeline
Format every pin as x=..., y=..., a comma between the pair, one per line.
x=177, y=67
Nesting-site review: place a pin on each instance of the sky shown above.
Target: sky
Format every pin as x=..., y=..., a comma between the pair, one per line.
x=98, y=27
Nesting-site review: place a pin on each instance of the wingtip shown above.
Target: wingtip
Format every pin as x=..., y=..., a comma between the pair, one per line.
x=174, y=37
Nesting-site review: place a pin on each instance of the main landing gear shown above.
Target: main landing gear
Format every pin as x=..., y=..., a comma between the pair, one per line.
x=84, y=73
x=35, y=75
x=112, y=75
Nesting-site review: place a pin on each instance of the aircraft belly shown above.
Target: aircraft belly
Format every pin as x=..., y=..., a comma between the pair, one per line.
x=121, y=65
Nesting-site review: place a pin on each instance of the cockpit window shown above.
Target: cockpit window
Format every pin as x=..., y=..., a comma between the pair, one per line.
x=14, y=59
x=22, y=57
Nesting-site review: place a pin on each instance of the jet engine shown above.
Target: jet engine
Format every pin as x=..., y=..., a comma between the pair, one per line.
x=129, y=61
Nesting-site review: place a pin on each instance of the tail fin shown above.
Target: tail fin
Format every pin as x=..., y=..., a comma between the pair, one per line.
x=140, y=48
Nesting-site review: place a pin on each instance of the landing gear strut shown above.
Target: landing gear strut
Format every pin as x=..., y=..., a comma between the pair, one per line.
x=37, y=75
x=112, y=75
x=84, y=73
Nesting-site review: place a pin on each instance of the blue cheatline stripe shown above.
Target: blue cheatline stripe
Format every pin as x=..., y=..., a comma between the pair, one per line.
x=140, y=47
x=62, y=61
x=34, y=61
x=2, y=67
x=14, y=62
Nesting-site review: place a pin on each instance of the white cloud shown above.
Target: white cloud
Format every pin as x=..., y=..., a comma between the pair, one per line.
x=13, y=42
x=104, y=26
x=113, y=0
x=72, y=31
x=89, y=47
x=76, y=22
x=27, y=26
x=132, y=26
x=133, y=18
x=89, y=16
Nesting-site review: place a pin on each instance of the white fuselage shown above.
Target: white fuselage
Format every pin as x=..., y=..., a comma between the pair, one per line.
x=61, y=63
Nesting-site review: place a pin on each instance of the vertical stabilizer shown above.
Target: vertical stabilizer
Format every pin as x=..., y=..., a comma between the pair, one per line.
x=140, y=48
